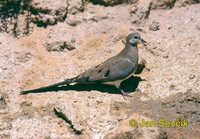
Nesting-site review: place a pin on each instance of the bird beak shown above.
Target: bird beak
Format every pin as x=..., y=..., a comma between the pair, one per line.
x=143, y=42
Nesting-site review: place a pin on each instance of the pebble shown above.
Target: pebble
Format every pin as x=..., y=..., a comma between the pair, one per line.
x=192, y=76
x=170, y=27
x=154, y=26
x=165, y=56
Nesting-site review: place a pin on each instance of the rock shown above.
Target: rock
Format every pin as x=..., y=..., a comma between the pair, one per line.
x=72, y=20
x=154, y=26
x=59, y=46
x=163, y=4
x=162, y=135
x=75, y=6
x=168, y=4
x=47, y=12
x=4, y=98
x=181, y=3
x=141, y=11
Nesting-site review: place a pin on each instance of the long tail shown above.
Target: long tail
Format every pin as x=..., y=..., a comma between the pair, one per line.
x=68, y=81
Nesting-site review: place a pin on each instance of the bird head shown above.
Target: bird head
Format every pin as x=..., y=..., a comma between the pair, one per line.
x=134, y=39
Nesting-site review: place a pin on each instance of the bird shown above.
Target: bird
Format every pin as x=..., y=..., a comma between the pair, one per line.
x=112, y=72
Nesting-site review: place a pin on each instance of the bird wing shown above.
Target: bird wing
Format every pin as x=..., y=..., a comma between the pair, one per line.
x=116, y=68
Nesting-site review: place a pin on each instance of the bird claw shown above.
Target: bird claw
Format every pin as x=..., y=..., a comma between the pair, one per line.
x=125, y=94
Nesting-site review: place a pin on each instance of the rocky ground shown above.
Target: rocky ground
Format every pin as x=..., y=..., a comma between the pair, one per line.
x=66, y=38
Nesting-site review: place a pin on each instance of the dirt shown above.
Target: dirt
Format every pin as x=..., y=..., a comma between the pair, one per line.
x=83, y=34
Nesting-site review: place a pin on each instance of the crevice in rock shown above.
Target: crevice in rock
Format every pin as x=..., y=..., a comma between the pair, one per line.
x=109, y=3
x=61, y=115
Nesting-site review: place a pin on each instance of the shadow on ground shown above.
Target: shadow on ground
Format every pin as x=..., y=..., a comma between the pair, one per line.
x=128, y=85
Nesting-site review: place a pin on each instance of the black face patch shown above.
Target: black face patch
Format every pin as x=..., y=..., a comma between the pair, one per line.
x=107, y=73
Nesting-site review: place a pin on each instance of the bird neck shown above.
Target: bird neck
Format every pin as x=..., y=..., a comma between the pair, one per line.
x=131, y=52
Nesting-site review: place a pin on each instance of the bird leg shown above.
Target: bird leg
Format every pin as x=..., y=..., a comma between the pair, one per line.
x=124, y=94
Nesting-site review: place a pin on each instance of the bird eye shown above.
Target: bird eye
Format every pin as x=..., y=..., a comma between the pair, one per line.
x=135, y=37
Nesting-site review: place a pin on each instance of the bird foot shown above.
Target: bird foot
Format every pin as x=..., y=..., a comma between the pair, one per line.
x=125, y=94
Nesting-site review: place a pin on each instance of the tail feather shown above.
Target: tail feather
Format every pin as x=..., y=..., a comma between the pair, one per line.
x=68, y=81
